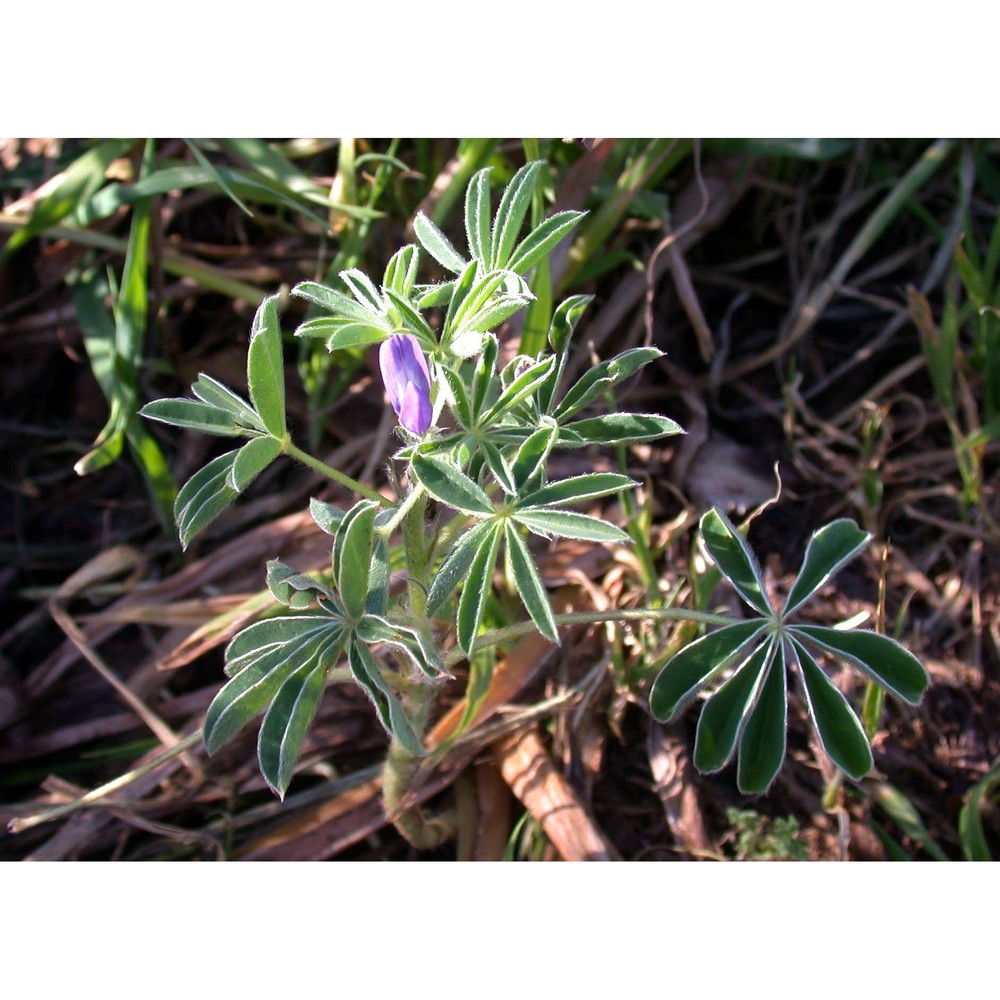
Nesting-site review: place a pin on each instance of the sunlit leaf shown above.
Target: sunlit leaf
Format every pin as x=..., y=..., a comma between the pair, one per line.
x=622, y=428
x=265, y=367
x=543, y=240
x=448, y=484
x=437, y=244
x=578, y=488
x=477, y=215
x=513, y=207
x=568, y=524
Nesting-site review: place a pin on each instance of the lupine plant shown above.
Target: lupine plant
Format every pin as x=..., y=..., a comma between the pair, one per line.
x=476, y=438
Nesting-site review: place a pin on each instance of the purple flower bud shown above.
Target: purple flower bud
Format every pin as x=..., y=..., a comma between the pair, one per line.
x=407, y=381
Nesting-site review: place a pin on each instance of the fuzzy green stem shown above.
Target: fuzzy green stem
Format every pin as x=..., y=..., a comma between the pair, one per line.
x=335, y=474
x=510, y=632
x=420, y=830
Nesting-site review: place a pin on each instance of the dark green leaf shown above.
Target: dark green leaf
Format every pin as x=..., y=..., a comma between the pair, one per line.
x=839, y=731
x=478, y=586
x=437, y=244
x=378, y=578
x=204, y=497
x=568, y=524
x=455, y=566
x=460, y=398
x=623, y=428
x=529, y=584
x=724, y=714
x=829, y=548
x=374, y=629
x=194, y=415
x=450, y=486
x=251, y=460
x=578, y=488
x=735, y=560
x=882, y=659
x=762, y=746
x=352, y=556
x=531, y=458
x=265, y=367
x=390, y=711
x=499, y=466
x=970, y=818
x=485, y=375
x=684, y=674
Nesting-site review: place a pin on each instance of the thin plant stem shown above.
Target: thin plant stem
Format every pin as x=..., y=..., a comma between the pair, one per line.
x=510, y=632
x=336, y=475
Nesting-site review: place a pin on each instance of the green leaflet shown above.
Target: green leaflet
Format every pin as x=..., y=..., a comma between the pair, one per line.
x=762, y=748
x=193, y=415
x=542, y=240
x=446, y=483
x=513, y=207
x=578, y=488
x=689, y=670
x=223, y=398
x=265, y=368
x=725, y=713
x=568, y=524
x=882, y=659
x=352, y=556
x=735, y=560
x=477, y=215
x=287, y=722
x=619, y=428
x=455, y=566
x=366, y=672
x=478, y=586
x=839, y=731
x=529, y=584
x=204, y=497
x=829, y=548
x=437, y=244
x=251, y=460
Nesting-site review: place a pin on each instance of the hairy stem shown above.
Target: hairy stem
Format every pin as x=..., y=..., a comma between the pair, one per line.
x=335, y=474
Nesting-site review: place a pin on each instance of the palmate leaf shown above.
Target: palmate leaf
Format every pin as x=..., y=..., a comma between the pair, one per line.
x=532, y=455
x=259, y=660
x=542, y=240
x=578, y=488
x=437, y=244
x=374, y=629
x=223, y=398
x=510, y=215
x=597, y=380
x=477, y=215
